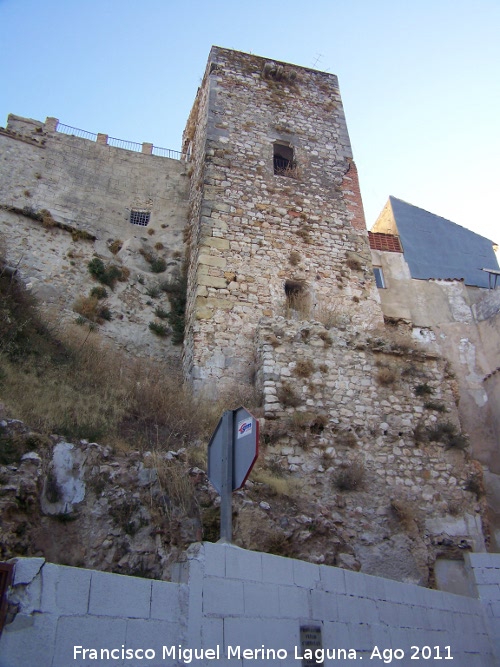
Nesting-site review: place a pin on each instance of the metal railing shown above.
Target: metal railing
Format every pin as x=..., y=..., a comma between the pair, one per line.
x=119, y=143
x=127, y=145
x=167, y=152
x=75, y=132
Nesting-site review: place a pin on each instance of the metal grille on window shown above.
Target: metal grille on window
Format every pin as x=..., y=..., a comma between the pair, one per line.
x=140, y=218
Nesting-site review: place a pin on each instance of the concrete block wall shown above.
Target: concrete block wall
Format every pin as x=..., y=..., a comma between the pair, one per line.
x=249, y=599
x=226, y=600
x=60, y=608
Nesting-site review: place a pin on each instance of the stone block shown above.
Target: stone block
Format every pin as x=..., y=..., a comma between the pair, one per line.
x=118, y=595
x=212, y=260
x=215, y=242
x=212, y=281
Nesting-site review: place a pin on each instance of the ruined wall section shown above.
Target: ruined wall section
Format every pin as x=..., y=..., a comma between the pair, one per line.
x=260, y=229
x=377, y=417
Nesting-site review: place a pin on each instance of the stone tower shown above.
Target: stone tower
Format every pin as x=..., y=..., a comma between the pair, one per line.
x=276, y=223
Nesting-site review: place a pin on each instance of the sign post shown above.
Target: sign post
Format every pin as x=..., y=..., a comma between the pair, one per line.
x=232, y=452
x=226, y=491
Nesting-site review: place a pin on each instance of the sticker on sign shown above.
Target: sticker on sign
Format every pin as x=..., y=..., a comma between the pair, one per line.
x=244, y=428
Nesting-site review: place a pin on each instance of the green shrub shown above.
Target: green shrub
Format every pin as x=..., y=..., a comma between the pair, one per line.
x=99, y=292
x=448, y=434
x=158, y=329
x=105, y=274
x=423, y=389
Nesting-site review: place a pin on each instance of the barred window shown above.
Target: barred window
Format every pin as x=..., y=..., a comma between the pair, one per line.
x=140, y=218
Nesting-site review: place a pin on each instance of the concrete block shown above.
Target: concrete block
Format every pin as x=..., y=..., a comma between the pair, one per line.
x=482, y=560
x=29, y=642
x=490, y=592
x=324, y=605
x=168, y=601
x=243, y=564
x=215, y=559
x=337, y=635
x=86, y=632
x=332, y=579
x=305, y=574
x=357, y=610
x=276, y=569
x=293, y=602
x=261, y=600
x=117, y=595
x=395, y=591
x=212, y=632
x=222, y=596
x=356, y=583
x=487, y=575
x=153, y=634
x=26, y=570
x=65, y=590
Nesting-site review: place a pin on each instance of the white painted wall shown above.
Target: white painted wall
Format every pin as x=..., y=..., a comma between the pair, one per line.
x=228, y=597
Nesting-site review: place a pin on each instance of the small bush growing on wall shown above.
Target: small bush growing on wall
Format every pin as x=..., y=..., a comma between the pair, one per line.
x=304, y=368
x=105, y=274
x=350, y=477
x=448, y=434
x=423, y=389
x=386, y=376
x=287, y=396
x=158, y=329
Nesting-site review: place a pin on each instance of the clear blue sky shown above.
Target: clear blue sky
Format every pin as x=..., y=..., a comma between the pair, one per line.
x=420, y=80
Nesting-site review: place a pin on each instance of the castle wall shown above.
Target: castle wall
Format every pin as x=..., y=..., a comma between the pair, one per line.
x=360, y=420
x=235, y=600
x=258, y=229
x=89, y=189
x=89, y=185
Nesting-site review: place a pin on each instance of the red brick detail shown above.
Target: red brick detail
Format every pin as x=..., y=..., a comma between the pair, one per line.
x=352, y=196
x=387, y=242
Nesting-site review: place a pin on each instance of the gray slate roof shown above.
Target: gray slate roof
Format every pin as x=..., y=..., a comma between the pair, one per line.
x=438, y=248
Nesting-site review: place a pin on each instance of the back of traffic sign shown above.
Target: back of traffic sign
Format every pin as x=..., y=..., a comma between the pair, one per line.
x=238, y=431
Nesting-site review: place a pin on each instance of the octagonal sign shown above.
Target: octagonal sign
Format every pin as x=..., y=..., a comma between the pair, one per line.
x=239, y=430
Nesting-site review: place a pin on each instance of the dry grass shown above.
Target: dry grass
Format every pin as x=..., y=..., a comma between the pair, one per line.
x=288, y=397
x=386, y=376
x=304, y=368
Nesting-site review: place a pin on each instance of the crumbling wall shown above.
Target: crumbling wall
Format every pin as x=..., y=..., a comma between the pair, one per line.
x=372, y=418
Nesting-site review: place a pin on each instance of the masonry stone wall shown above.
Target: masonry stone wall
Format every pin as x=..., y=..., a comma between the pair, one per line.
x=257, y=228
x=360, y=419
x=228, y=600
x=89, y=189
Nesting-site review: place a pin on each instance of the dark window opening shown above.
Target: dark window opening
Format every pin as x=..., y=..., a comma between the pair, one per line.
x=379, y=277
x=140, y=218
x=283, y=159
